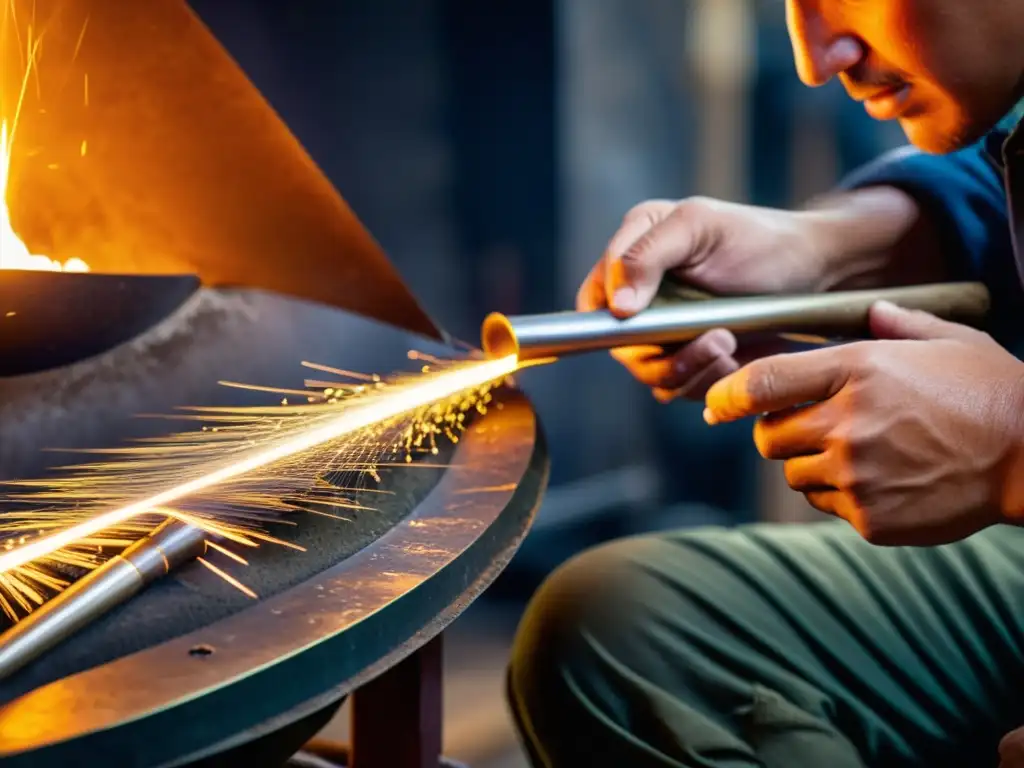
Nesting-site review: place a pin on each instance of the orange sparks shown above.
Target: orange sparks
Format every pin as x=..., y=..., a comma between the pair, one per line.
x=228, y=578
x=385, y=407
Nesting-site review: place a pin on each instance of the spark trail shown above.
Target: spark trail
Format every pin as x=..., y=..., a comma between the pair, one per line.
x=245, y=470
x=239, y=473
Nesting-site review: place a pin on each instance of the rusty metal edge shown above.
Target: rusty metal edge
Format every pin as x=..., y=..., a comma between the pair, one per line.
x=266, y=672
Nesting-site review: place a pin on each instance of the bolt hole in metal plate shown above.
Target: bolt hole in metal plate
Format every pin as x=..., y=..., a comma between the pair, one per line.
x=51, y=319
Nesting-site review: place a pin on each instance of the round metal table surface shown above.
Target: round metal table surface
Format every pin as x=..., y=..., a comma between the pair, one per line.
x=200, y=678
x=293, y=654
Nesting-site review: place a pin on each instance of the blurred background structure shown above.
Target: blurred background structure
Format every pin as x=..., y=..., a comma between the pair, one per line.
x=493, y=148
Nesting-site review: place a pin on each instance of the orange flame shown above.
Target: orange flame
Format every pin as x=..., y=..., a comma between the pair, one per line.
x=14, y=254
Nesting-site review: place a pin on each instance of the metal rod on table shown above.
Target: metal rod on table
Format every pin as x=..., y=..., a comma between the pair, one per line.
x=682, y=315
x=172, y=544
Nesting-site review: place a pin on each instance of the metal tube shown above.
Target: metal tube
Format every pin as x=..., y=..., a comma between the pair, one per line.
x=837, y=314
x=170, y=545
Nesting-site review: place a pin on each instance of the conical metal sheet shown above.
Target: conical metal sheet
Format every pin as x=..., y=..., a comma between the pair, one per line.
x=143, y=148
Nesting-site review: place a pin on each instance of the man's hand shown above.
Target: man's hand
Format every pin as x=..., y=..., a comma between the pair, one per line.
x=913, y=439
x=724, y=247
x=738, y=249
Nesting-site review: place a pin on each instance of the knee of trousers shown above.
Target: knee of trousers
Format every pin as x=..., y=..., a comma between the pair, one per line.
x=585, y=626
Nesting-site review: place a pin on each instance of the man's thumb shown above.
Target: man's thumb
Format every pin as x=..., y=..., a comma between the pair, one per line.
x=636, y=276
x=889, y=321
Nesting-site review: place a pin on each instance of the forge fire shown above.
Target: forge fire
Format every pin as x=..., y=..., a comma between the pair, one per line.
x=14, y=253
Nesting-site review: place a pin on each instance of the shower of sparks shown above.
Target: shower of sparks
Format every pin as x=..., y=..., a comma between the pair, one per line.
x=244, y=469
x=14, y=254
x=239, y=473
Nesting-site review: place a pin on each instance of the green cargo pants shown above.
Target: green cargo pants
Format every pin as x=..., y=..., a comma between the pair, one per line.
x=774, y=646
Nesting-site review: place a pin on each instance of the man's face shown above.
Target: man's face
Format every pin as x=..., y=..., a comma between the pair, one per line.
x=948, y=70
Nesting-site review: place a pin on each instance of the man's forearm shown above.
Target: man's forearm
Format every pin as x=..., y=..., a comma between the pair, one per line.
x=873, y=237
x=933, y=218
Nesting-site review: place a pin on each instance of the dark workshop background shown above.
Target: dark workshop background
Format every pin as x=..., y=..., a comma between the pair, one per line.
x=492, y=148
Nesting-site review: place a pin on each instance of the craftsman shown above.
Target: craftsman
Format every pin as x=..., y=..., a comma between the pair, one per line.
x=894, y=637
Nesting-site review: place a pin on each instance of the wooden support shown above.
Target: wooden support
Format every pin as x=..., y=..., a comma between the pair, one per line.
x=397, y=718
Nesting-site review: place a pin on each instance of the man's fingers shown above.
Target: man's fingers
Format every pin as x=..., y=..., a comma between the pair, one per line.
x=659, y=374
x=665, y=396
x=636, y=222
x=889, y=321
x=591, y=295
x=596, y=293
x=654, y=373
x=716, y=344
x=777, y=383
x=827, y=501
x=622, y=295
x=648, y=365
x=643, y=353
x=843, y=505
x=800, y=431
x=633, y=277
x=810, y=474
x=702, y=362
x=699, y=384
x=689, y=372
x=755, y=350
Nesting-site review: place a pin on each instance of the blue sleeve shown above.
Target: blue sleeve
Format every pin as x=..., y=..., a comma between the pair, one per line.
x=965, y=194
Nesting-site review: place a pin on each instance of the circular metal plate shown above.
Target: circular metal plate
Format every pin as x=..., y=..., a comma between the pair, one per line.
x=295, y=653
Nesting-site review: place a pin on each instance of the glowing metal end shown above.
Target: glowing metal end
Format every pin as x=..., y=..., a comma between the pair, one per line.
x=498, y=337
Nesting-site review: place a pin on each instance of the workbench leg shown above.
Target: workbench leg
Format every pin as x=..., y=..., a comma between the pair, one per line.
x=397, y=718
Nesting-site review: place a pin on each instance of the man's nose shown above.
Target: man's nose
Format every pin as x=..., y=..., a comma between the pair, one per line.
x=820, y=51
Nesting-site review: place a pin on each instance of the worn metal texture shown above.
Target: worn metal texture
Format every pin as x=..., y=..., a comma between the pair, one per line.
x=53, y=319
x=293, y=654
x=143, y=148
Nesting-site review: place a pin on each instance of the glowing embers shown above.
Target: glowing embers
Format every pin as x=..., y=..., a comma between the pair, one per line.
x=240, y=473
